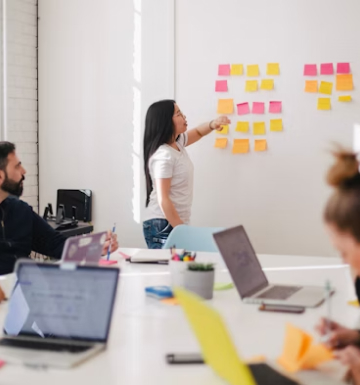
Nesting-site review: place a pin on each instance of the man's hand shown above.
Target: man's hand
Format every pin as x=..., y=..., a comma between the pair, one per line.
x=111, y=239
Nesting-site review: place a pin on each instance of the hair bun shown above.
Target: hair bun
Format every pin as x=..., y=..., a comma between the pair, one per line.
x=345, y=172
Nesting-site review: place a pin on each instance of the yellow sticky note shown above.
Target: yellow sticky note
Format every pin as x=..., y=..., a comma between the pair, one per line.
x=311, y=86
x=344, y=82
x=240, y=146
x=224, y=130
x=267, y=84
x=273, y=69
x=326, y=88
x=259, y=128
x=324, y=104
x=354, y=303
x=236, y=69
x=221, y=143
x=216, y=345
x=276, y=125
x=345, y=98
x=314, y=356
x=251, y=85
x=252, y=70
x=297, y=342
x=225, y=106
x=260, y=145
x=242, y=127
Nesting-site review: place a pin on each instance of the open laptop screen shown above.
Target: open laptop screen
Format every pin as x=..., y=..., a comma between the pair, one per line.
x=241, y=260
x=61, y=301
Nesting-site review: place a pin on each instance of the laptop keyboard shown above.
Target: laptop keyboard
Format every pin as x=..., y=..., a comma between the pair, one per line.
x=54, y=347
x=279, y=292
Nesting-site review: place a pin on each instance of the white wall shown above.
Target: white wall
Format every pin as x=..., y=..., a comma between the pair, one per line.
x=278, y=195
x=93, y=91
x=20, y=102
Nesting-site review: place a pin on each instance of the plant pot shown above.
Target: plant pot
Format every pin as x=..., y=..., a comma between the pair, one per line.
x=200, y=282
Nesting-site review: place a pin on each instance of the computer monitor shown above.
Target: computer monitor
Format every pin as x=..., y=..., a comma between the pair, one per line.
x=81, y=199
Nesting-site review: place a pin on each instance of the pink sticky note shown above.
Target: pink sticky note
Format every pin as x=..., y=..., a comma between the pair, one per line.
x=221, y=86
x=243, y=108
x=327, y=69
x=275, y=107
x=258, y=108
x=310, y=70
x=105, y=262
x=343, y=68
x=224, y=70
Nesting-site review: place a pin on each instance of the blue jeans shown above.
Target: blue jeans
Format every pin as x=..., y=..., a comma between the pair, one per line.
x=156, y=232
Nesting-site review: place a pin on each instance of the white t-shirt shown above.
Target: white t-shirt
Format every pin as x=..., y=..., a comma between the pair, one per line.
x=167, y=162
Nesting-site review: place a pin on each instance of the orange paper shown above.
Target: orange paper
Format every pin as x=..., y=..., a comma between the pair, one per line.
x=315, y=355
x=221, y=143
x=260, y=145
x=344, y=82
x=170, y=301
x=311, y=86
x=240, y=146
x=225, y=106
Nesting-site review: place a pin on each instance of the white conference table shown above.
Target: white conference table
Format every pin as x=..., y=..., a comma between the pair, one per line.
x=144, y=330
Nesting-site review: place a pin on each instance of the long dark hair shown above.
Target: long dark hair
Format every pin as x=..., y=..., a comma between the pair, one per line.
x=159, y=129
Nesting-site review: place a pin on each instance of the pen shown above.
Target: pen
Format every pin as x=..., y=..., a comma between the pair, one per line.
x=113, y=232
x=328, y=304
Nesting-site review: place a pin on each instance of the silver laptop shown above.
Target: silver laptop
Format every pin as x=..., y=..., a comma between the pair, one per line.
x=58, y=315
x=84, y=249
x=249, y=278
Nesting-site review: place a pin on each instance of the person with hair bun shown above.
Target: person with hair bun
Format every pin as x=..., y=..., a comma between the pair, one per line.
x=342, y=221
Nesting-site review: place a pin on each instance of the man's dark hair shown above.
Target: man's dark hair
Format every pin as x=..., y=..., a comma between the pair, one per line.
x=6, y=148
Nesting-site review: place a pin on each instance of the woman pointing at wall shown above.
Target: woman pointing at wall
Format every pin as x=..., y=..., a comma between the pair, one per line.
x=168, y=169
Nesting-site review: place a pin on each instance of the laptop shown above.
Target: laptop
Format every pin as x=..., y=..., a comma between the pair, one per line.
x=58, y=315
x=84, y=249
x=218, y=350
x=250, y=280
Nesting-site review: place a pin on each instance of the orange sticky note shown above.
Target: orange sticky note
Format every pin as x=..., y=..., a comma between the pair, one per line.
x=242, y=127
x=236, y=69
x=240, y=146
x=225, y=106
x=259, y=128
x=224, y=130
x=260, y=145
x=276, y=125
x=170, y=301
x=344, y=82
x=315, y=355
x=311, y=86
x=221, y=143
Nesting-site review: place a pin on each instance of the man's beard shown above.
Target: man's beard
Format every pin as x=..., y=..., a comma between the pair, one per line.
x=12, y=187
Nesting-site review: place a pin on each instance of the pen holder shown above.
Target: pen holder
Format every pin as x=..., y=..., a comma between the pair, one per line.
x=177, y=270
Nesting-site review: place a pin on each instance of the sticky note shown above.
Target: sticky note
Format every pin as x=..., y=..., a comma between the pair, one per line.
x=259, y=128
x=251, y=85
x=243, y=108
x=343, y=68
x=267, y=84
x=314, y=356
x=224, y=70
x=242, y=127
x=216, y=345
x=345, y=98
x=324, y=104
x=240, y=146
x=311, y=86
x=276, y=125
x=220, y=143
x=273, y=69
x=275, y=107
x=310, y=70
x=170, y=301
x=258, y=108
x=225, y=106
x=326, y=69
x=260, y=145
x=326, y=88
x=224, y=130
x=354, y=303
x=223, y=286
x=221, y=86
x=236, y=69
x=252, y=70
x=344, y=82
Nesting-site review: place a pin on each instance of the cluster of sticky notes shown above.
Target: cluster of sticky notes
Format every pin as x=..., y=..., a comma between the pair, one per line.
x=242, y=146
x=266, y=84
x=344, y=82
x=299, y=352
x=275, y=107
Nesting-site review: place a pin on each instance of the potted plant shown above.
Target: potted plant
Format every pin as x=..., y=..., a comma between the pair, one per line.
x=199, y=278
